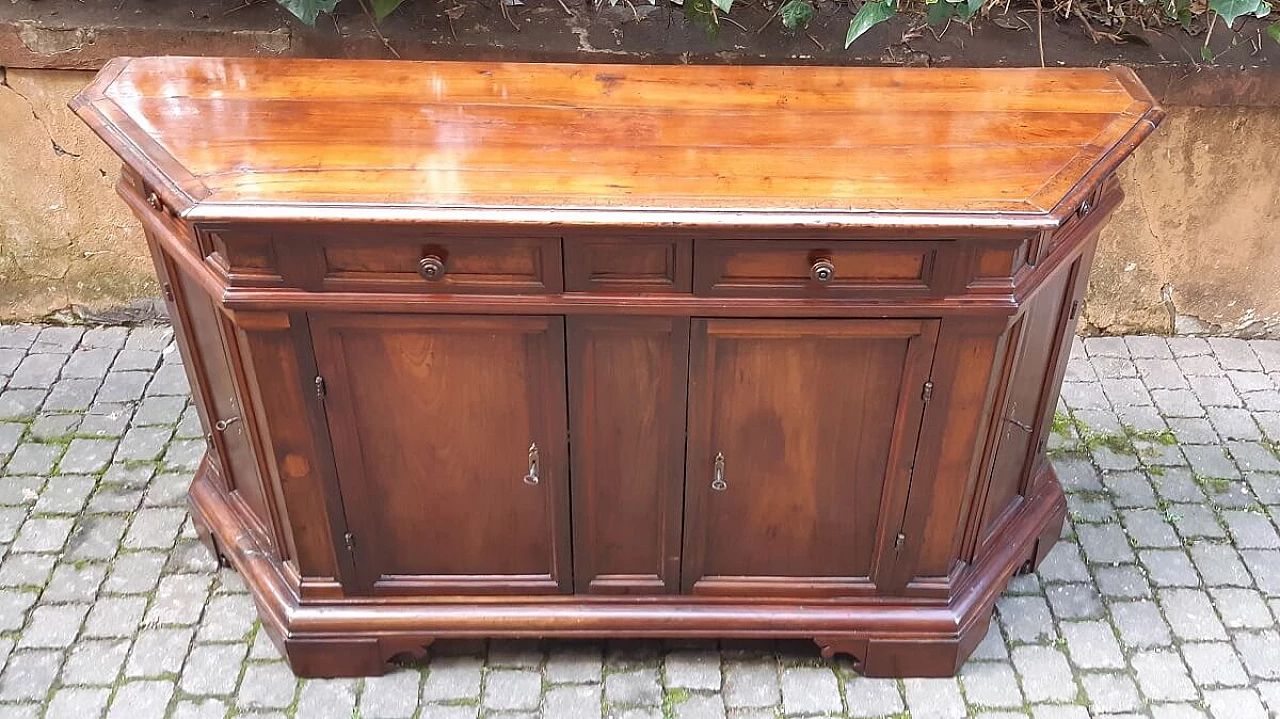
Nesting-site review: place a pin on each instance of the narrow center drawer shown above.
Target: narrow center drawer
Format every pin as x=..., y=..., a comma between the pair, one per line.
x=814, y=269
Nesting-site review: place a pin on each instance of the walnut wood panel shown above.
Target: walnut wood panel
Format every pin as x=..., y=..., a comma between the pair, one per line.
x=628, y=264
x=467, y=510
x=627, y=414
x=259, y=134
x=801, y=435
x=780, y=269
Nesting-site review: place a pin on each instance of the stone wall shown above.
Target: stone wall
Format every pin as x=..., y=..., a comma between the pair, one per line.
x=1195, y=248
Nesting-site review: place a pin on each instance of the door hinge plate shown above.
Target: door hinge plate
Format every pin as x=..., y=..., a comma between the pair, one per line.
x=321, y=389
x=350, y=539
x=1075, y=310
x=898, y=540
x=927, y=392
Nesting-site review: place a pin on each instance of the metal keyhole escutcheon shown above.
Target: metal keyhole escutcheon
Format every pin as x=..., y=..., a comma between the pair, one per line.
x=531, y=478
x=717, y=478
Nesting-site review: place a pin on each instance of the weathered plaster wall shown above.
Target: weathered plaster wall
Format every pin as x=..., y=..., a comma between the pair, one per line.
x=66, y=241
x=1195, y=248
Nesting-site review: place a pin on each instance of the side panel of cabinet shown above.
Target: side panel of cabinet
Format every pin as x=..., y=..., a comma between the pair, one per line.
x=202, y=335
x=450, y=439
x=801, y=439
x=627, y=387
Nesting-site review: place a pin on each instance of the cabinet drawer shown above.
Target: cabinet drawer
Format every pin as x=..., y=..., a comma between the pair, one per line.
x=813, y=269
x=469, y=266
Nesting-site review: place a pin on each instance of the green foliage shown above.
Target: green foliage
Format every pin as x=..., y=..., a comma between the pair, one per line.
x=869, y=15
x=795, y=14
x=1232, y=9
x=383, y=8
x=308, y=10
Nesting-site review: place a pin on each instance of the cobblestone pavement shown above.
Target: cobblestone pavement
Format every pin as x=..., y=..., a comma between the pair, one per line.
x=1162, y=602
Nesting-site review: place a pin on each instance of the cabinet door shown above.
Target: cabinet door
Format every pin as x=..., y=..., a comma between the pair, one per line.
x=801, y=438
x=450, y=441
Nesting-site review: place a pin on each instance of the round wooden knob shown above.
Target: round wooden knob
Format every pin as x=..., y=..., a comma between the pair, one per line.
x=431, y=268
x=822, y=271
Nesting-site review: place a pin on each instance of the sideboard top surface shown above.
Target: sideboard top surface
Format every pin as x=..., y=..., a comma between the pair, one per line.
x=546, y=144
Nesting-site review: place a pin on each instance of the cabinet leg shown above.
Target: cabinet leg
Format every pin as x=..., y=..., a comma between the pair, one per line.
x=201, y=524
x=1049, y=536
x=357, y=657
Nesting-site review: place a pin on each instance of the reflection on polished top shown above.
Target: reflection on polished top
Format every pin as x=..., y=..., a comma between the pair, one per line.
x=539, y=143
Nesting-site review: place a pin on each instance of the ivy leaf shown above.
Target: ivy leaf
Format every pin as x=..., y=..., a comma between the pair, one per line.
x=383, y=8
x=724, y=5
x=869, y=15
x=308, y=10
x=1232, y=9
x=1206, y=53
x=796, y=13
x=940, y=12
x=701, y=13
x=968, y=8
x=1273, y=31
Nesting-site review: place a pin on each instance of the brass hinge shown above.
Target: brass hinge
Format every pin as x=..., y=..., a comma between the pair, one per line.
x=1075, y=310
x=321, y=389
x=168, y=291
x=351, y=542
x=927, y=392
x=898, y=540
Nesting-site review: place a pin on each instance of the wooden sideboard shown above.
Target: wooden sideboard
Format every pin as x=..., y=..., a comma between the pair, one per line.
x=587, y=350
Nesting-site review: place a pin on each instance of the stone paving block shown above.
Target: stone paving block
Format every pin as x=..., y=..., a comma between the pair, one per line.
x=1234, y=704
x=521, y=689
x=1074, y=601
x=38, y=371
x=1262, y=402
x=266, y=686
x=1092, y=645
x=34, y=458
x=95, y=537
x=161, y=410
x=1140, y=624
x=1143, y=418
x=154, y=528
x=1264, y=565
x=143, y=699
x=1046, y=676
x=1219, y=564
x=1025, y=619
x=1190, y=614
x=1251, y=530
x=158, y=652
x=1150, y=528
x=29, y=570
x=95, y=662
x=1129, y=489
x=227, y=619
x=751, y=684
x=10, y=434
x=213, y=668
x=1229, y=423
x=18, y=336
x=79, y=702
x=1260, y=652
x=1106, y=347
x=1209, y=460
x=1213, y=664
x=1084, y=395
x=1177, y=403
x=697, y=706
x=1241, y=608
x=1234, y=353
x=989, y=684
x=1111, y=693
x=65, y=494
x=43, y=534
x=693, y=669
x=393, y=695
x=179, y=599
x=205, y=709
x=438, y=711
x=1105, y=544
x=1168, y=568
x=1162, y=676
x=873, y=697
x=169, y=380
x=20, y=403
x=1215, y=391
x=934, y=699
x=457, y=678
x=328, y=699
x=29, y=675
x=1253, y=457
x=57, y=339
x=1161, y=374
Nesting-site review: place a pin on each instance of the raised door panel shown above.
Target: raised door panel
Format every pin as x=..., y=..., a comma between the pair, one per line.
x=449, y=435
x=801, y=438
x=627, y=412
x=203, y=336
